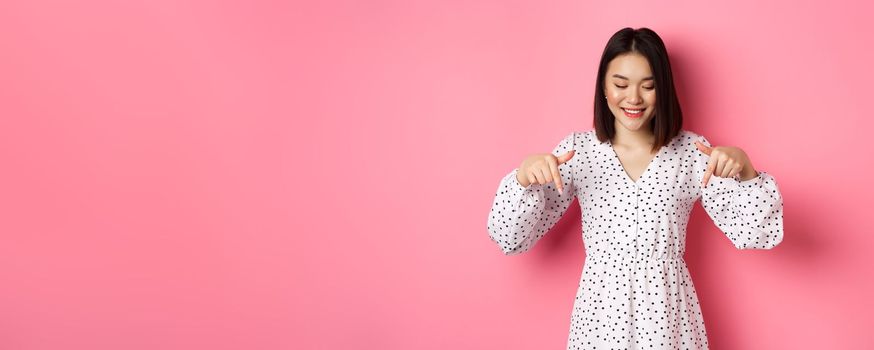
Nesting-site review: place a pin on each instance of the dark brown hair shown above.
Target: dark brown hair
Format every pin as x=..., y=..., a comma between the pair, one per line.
x=667, y=117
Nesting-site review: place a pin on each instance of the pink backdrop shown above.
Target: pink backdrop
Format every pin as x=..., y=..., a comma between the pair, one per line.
x=241, y=175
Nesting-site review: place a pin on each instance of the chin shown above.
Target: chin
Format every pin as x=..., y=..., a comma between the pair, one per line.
x=634, y=124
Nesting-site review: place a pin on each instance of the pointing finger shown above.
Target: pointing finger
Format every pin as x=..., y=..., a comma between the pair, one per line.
x=556, y=175
x=711, y=166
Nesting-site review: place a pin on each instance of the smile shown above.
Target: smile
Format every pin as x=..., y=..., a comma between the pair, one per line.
x=633, y=113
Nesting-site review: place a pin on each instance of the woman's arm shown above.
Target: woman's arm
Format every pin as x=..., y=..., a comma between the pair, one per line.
x=521, y=216
x=749, y=210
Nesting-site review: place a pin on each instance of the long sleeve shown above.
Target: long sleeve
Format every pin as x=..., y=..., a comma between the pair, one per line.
x=749, y=213
x=521, y=216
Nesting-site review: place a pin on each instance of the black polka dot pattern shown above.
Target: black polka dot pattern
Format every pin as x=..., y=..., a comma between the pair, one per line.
x=635, y=291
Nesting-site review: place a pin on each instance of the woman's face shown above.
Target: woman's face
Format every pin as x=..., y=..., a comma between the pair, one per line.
x=629, y=87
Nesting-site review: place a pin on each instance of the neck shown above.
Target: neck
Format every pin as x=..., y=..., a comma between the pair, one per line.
x=633, y=138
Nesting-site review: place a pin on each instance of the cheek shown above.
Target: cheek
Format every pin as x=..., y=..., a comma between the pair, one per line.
x=614, y=97
x=651, y=98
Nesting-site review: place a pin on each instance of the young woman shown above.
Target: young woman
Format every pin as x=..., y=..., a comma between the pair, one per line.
x=637, y=175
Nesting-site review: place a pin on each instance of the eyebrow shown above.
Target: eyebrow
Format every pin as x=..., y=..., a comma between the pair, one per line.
x=622, y=77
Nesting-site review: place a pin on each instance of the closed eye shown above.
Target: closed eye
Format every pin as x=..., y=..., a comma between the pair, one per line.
x=645, y=87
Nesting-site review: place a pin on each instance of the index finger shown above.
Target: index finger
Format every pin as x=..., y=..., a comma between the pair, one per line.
x=710, y=168
x=556, y=175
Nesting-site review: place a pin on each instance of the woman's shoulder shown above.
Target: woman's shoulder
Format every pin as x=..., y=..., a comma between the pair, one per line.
x=688, y=137
x=586, y=135
x=578, y=136
x=692, y=135
x=686, y=133
x=685, y=143
x=585, y=139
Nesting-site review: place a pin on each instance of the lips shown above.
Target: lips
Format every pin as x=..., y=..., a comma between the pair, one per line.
x=628, y=112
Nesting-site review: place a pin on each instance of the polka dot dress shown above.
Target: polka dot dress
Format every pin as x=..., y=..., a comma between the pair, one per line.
x=635, y=291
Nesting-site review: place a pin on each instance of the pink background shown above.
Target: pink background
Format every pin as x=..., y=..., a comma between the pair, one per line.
x=240, y=175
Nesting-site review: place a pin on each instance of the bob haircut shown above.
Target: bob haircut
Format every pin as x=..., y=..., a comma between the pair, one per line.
x=667, y=118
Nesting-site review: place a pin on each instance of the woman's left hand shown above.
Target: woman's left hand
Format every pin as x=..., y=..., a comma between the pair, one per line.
x=726, y=161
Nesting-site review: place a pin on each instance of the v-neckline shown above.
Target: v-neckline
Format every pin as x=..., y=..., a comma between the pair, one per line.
x=625, y=172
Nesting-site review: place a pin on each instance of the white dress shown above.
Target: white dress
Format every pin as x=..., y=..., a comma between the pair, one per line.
x=635, y=291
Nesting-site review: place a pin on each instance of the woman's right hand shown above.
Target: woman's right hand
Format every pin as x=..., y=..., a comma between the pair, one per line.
x=542, y=168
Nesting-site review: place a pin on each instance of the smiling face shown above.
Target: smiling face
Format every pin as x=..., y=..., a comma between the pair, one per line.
x=630, y=91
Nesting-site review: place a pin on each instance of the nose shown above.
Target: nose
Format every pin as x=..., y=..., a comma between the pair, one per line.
x=633, y=97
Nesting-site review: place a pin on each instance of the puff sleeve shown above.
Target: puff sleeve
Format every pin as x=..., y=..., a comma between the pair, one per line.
x=749, y=213
x=521, y=216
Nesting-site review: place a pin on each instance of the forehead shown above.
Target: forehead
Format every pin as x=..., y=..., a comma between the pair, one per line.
x=631, y=65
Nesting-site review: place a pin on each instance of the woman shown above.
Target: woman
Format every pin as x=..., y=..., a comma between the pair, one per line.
x=637, y=175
